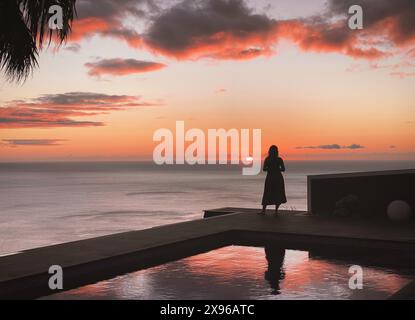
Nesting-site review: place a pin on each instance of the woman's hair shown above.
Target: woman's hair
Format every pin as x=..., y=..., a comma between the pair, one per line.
x=273, y=151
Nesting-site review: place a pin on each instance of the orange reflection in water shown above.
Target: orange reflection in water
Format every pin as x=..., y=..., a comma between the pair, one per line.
x=299, y=270
x=244, y=273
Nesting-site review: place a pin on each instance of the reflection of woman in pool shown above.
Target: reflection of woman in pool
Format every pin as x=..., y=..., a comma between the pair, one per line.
x=275, y=273
x=274, y=190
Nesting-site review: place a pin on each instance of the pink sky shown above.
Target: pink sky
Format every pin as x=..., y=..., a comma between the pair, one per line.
x=296, y=71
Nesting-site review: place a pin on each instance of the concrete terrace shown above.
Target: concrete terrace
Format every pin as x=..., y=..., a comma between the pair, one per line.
x=25, y=274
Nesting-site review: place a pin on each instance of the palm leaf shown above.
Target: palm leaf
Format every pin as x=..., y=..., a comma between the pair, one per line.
x=24, y=28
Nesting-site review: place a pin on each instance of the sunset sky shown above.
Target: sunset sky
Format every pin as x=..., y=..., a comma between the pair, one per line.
x=316, y=88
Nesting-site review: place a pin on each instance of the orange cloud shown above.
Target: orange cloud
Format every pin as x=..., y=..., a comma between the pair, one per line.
x=231, y=30
x=122, y=67
x=228, y=29
x=59, y=110
x=319, y=37
x=219, y=29
x=32, y=142
x=87, y=27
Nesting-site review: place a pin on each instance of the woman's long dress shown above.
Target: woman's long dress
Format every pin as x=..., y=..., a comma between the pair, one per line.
x=274, y=190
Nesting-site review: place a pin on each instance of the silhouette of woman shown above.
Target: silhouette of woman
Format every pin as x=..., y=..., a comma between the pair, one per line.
x=274, y=190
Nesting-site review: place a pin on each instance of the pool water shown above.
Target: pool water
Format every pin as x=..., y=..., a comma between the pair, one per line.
x=246, y=273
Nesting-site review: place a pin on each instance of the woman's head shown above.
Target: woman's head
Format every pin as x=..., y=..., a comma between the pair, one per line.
x=273, y=151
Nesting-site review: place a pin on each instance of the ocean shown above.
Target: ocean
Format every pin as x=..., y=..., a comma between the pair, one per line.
x=49, y=203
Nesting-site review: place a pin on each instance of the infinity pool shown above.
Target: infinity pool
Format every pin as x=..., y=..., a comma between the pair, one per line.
x=246, y=273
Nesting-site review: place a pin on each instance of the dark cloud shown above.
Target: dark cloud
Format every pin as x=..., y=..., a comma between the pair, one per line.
x=32, y=142
x=354, y=146
x=110, y=9
x=230, y=29
x=59, y=110
x=334, y=147
x=122, y=67
x=214, y=28
x=107, y=17
x=393, y=18
x=389, y=28
x=86, y=101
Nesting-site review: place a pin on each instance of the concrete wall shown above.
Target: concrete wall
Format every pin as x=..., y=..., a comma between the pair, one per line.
x=374, y=190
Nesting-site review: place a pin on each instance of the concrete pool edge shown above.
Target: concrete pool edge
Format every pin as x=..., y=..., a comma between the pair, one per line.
x=35, y=286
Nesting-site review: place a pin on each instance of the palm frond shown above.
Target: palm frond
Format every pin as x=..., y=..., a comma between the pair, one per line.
x=36, y=15
x=24, y=28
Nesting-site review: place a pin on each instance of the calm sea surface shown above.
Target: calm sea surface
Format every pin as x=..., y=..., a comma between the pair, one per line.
x=49, y=203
